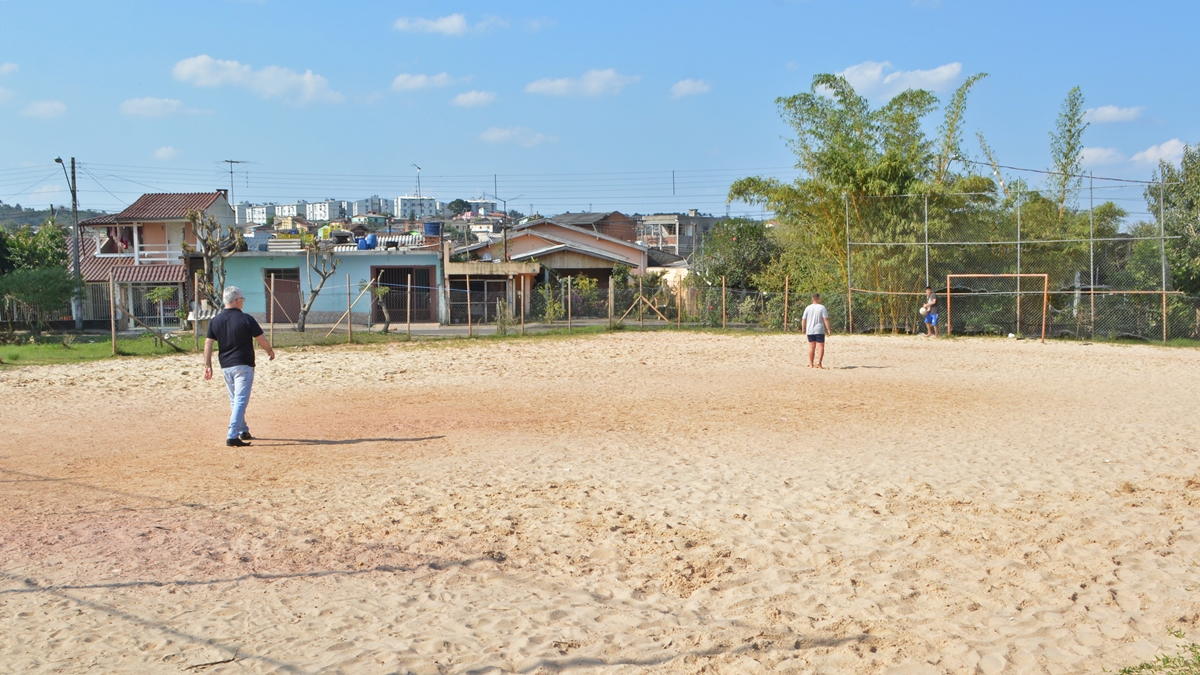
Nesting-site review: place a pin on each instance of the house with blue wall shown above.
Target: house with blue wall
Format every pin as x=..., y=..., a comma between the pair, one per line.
x=398, y=268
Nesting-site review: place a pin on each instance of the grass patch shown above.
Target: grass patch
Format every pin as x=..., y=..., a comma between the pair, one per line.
x=1186, y=663
x=54, y=350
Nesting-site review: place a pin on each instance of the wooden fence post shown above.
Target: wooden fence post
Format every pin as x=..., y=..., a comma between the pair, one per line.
x=786, y=289
x=196, y=311
x=612, y=297
x=112, y=310
x=349, y=317
x=568, y=304
x=408, y=307
x=470, y=327
x=722, y=302
x=522, y=299
x=272, y=310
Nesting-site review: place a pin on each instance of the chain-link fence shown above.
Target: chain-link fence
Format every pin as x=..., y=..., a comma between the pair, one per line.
x=1103, y=248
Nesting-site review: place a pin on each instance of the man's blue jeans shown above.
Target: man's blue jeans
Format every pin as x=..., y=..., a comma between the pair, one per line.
x=238, y=380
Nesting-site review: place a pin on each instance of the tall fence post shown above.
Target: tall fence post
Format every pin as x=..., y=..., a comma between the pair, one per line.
x=679, y=303
x=722, y=302
x=786, y=289
x=612, y=296
x=196, y=311
x=927, y=240
x=272, y=310
x=349, y=316
x=568, y=304
x=849, y=282
x=521, y=296
x=1162, y=243
x=408, y=308
x=1092, y=252
x=470, y=326
x=112, y=311
x=1018, y=258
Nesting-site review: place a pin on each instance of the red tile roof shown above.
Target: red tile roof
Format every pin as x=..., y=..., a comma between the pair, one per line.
x=100, y=221
x=96, y=269
x=170, y=205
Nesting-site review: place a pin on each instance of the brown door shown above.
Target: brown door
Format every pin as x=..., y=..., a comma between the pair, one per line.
x=287, y=294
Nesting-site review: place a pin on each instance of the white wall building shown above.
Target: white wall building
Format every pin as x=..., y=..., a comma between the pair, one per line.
x=325, y=211
x=239, y=213
x=482, y=207
x=259, y=213
x=300, y=209
x=410, y=207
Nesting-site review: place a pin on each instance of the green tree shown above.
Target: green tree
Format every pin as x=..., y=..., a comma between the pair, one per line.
x=458, y=206
x=737, y=249
x=1180, y=202
x=46, y=247
x=6, y=265
x=43, y=293
x=1066, y=148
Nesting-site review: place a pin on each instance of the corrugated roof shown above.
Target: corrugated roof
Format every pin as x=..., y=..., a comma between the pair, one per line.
x=167, y=274
x=167, y=205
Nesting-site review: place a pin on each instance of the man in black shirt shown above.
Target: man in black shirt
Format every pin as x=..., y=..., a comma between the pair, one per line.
x=235, y=332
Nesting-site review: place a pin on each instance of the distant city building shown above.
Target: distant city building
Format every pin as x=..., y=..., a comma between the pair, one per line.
x=325, y=211
x=239, y=213
x=482, y=207
x=259, y=213
x=409, y=207
x=300, y=209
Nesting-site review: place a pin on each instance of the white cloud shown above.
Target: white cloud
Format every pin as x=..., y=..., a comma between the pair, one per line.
x=7, y=68
x=1170, y=151
x=453, y=24
x=45, y=109
x=165, y=152
x=151, y=107
x=268, y=82
x=690, y=87
x=1111, y=113
x=593, y=83
x=1100, y=156
x=408, y=82
x=535, y=25
x=519, y=135
x=472, y=99
x=869, y=80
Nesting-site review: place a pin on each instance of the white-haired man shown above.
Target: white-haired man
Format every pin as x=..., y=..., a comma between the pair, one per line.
x=235, y=333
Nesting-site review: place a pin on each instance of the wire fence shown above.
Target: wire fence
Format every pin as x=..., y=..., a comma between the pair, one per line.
x=1102, y=247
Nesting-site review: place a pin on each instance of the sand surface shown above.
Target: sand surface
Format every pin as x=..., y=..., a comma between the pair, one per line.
x=624, y=503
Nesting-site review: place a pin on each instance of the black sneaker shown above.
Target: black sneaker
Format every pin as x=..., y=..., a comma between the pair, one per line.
x=236, y=443
x=245, y=436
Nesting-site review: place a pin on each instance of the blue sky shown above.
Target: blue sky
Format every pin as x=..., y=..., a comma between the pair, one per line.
x=570, y=105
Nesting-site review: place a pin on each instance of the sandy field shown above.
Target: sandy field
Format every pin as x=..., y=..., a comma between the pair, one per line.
x=622, y=503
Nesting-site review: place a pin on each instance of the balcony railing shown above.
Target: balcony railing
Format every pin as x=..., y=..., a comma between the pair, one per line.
x=157, y=254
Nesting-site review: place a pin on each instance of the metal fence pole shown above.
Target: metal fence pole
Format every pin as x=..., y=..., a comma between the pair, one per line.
x=349, y=316
x=1018, y=258
x=849, y=286
x=1162, y=242
x=1092, y=251
x=927, y=240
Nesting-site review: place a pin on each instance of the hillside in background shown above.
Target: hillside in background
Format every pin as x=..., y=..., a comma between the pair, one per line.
x=13, y=216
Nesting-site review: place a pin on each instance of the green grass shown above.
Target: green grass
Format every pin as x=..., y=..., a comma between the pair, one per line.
x=1187, y=663
x=84, y=348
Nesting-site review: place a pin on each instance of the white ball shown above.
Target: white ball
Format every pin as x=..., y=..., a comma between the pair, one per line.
x=1012, y=335
x=924, y=311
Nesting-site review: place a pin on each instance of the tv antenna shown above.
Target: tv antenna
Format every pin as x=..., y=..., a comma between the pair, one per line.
x=231, y=163
x=418, y=181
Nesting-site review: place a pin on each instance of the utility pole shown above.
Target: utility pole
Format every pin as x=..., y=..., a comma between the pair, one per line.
x=76, y=301
x=418, y=182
